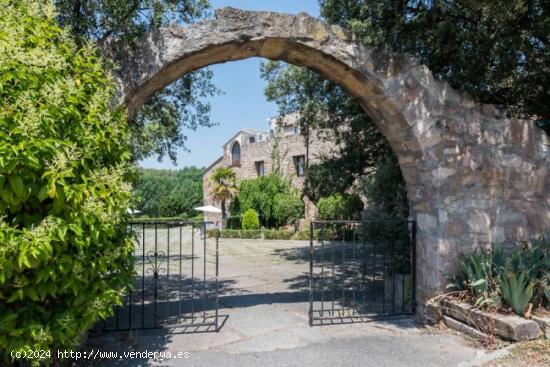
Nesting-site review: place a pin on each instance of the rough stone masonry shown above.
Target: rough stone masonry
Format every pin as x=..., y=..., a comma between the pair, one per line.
x=473, y=175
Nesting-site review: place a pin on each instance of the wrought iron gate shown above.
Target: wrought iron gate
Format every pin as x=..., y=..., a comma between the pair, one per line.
x=361, y=270
x=176, y=279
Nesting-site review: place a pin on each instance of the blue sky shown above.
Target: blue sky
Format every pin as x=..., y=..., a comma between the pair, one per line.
x=243, y=105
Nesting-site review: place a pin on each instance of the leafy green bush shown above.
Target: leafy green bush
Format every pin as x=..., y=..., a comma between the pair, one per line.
x=270, y=234
x=287, y=209
x=250, y=220
x=235, y=233
x=339, y=207
x=64, y=171
x=262, y=194
x=278, y=234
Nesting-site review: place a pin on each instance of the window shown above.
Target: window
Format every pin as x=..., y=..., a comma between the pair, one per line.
x=251, y=140
x=260, y=170
x=299, y=164
x=236, y=154
x=296, y=130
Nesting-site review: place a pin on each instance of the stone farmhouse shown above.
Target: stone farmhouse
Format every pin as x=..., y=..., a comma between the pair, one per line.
x=253, y=153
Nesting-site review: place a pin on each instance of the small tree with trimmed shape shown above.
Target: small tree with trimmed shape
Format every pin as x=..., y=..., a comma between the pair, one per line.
x=251, y=220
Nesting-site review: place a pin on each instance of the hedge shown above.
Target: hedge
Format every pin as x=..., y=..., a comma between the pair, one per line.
x=268, y=234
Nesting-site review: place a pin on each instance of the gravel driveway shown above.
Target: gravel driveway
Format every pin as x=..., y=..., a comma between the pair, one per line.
x=265, y=306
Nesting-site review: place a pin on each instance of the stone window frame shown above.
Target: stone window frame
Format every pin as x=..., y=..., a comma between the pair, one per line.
x=260, y=168
x=236, y=154
x=251, y=140
x=299, y=165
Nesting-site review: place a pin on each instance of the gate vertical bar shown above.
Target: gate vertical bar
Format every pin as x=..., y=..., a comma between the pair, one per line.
x=322, y=259
x=364, y=263
x=205, y=296
x=354, y=262
x=130, y=296
x=217, y=274
x=168, y=271
x=155, y=278
x=179, y=278
x=393, y=277
x=413, y=268
x=333, y=278
x=311, y=274
x=143, y=276
x=344, y=268
x=384, y=271
x=193, y=272
x=373, y=288
x=408, y=242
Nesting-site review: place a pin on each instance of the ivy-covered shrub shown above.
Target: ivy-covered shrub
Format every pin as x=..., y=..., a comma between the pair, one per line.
x=64, y=192
x=250, y=220
x=340, y=207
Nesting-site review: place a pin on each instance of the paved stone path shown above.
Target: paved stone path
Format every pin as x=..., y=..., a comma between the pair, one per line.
x=266, y=324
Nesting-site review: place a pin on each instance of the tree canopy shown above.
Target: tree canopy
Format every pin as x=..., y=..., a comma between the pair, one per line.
x=495, y=51
x=272, y=197
x=359, y=145
x=169, y=193
x=158, y=127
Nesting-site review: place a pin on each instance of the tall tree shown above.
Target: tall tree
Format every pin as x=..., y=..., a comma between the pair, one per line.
x=169, y=193
x=158, y=128
x=324, y=106
x=224, y=186
x=496, y=51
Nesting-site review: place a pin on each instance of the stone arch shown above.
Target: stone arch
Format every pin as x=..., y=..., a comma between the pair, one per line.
x=473, y=175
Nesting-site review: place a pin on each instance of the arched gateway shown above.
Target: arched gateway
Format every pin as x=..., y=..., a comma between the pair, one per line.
x=473, y=175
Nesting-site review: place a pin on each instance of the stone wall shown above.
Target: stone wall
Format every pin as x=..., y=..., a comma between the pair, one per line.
x=287, y=146
x=473, y=174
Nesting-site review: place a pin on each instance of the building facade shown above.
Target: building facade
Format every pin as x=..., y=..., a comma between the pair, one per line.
x=253, y=153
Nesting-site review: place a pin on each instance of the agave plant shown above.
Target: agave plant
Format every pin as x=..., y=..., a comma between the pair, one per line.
x=516, y=290
x=498, y=258
x=474, y=273
x=533, y=259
